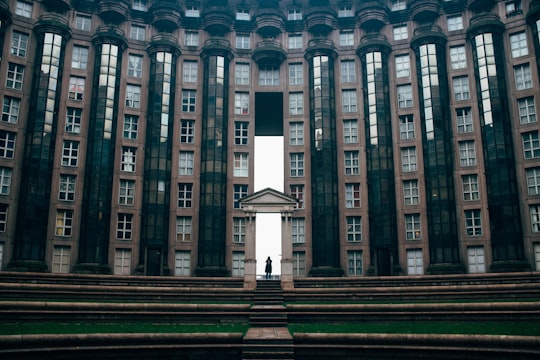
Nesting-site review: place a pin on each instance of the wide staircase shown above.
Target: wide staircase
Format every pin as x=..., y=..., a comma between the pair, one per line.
x=268, y=336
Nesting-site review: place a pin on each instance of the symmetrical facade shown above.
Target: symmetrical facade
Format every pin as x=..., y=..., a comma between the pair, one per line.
x=410, y=130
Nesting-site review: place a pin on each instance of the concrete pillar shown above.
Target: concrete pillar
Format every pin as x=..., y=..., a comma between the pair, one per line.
x=287, y=281
x=250, y=259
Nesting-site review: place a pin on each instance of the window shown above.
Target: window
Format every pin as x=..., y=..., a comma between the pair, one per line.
x=354, y=263
x=243, y=42
x=412, y=227
x=188, y=100
x=19, y=44
x=352, y=195
x=83, y=22
x=241, y=134
x=23, y=8
x=133, y=96
x=185, y=195
x=131, y=125
x=461, y=88
x=268, y=75
x=458, y=57
x=299, y=263
x=73, y=120
x=295, y=41
x=238, y=263
x=3, y=217
x=296, y=74
x=70, y=153
x=60, y=261
x=76, y=88
x=192, y=11
x=533, y=180
x=408, y=159
x=241, y=103
x=522, y=74
x=534, y=211
x=476, y=259
x=79, y=58
x=137, y=32
x=241, y=74
x=349, y=101
x=352, y=163
x=187, y=131
x=410, y=192
x=64, y=222
x=470, y=187
x=294, y=14
x=15, y=75
x=129, y=158
x=527, y=110
x=531, y=145
x=139, y=5
x=406, y=127
x=135, y=65
x=239, y=230
x=513, y=8
x=354, y=228
x=10, y=109
x=345, y=11
x=296, y=103
x=346, y=38
x=467, y=153
x=405, y=98
x=518, y=44
x=296, y=133
x=124, y=226
x=190, y=70
x=242, y=14
x=66, y=187
x=298, y=230
x=464, y=120
x=241, y=164
x=455, y=23
x=348, y=71
x=183, y=228
x=297, y=192
x=415, y=262
x=401, y=32
x=398, y=5
x=122, y=262
x=240, y=191
x=191, y=38
x=186, y=162
x=5, y=180
x=182, y=263
x=403, y=66
x=126, y=193
x=350, y=131
x=473, y=222
x=297, y=164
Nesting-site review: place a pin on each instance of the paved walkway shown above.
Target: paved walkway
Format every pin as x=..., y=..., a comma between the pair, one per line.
x=268, y=334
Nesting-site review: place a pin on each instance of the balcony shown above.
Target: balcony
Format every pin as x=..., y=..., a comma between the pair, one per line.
x=479, y=6
x=269, y=52
x=218, y=20
x=165, y=15
x=372, y=16
x=114, y=11
x=269, y=22
x=57, y=5
x=424, y=10
x=320, y=46
x=320, y=21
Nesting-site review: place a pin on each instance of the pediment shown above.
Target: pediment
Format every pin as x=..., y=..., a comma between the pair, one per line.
x=268, y=200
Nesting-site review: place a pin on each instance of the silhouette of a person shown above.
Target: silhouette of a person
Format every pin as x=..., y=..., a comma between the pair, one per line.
x=268, y=268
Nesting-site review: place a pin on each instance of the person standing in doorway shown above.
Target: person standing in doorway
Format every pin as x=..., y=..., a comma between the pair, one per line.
x=268, y=268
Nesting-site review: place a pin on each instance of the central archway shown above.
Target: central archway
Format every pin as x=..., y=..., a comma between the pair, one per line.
x=268, y=201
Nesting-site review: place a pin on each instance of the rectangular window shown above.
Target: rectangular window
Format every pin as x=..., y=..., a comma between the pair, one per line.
x=352, y=163
x=473, y=222
x=458, y=57
x=137, y=32
x=192, y=11
x=129, y=159
x=185, y=195
x=295, y=41
x=350, y=131
x=79, y=58
x=190, y=71
x=349, y=101
x=238, y=263
x=464, y=120
x=23, y=8
x=191, y=38
x=124, y=226
x=531, y=145
x=527, y=110
x=73, y=120
x=296, y=103
x=400, y=32
x=76, y=88
x=410, y=192
x=70, y=153
x=299, y=263
x=131, y=125
x=240, y=191
x=354, y=263
x=241, y=164
x=19, y=44
x=522, y=75
x=296, y=133
x=467, y=153
x=83, y=22
x=398, y=5
x=352, y=195
x=242, y=14
x=3, y=217
x=139, y=5
x=15, y=75
x=66, y=187
x=408, y=159
x=241, y=133
x=405, y=96
x=345, y=11
x=406, y=127
x=268, y=75
x=415, y=262
x=135, y=65
x=186, y=162
x=534, y=211
x=188, y=100
x=354, y=228
x=533, y=180
x=298, y=230
x=239, y=230
x=470, y=187
x=241, y=103
x=133, y=96
x=461, y=88
x=243, y=42
x=10, y=109
x=61, y=259
x=122, y=262
x=348, y=71
x=5, y=180
x=183, y=228
x=126, y=192
x=518, y=44
x=64, y=222
x=346, y=38
x=187, y=131
x=403, y=66
x=297, y=192
x=476, y=259
x=241, y=74
x=294, y=14
x=296, y=76
x=412, y=227
x=455, y=23
x=182, y=263
x=297, y=164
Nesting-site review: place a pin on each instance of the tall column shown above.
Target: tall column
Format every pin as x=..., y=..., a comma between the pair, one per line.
x=38, y=163
x=287, y=281
x=98, y=181
x=213, y=170
x=429, y=46
x=158, y=153
x=323, y=148
x=485, y=36
x=373, y=53
x=250, y=257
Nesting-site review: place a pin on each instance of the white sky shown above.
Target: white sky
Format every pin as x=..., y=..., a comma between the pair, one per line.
x=268, y=173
